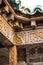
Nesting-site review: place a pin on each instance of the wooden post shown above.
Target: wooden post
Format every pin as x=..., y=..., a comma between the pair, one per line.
x=13, y=55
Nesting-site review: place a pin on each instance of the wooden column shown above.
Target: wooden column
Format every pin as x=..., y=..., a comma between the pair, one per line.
x=13, y=55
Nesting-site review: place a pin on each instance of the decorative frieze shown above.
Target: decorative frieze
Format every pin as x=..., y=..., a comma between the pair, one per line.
x=32, y=36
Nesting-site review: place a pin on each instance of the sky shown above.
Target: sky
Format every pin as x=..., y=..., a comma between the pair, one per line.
x=31, y=3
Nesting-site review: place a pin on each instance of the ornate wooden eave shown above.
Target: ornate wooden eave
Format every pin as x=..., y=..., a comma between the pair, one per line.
x=8, y=32
x=23, y=19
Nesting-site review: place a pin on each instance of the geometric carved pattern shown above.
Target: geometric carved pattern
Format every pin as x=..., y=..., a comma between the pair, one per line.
x=6, y=29
x=32, y=36
x=13, y=55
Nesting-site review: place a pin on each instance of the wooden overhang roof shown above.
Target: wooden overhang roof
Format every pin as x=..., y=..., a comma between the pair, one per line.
x=38, y=14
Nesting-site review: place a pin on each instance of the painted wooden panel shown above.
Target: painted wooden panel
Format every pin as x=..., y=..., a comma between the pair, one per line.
x=32, y=36
x=6, y=29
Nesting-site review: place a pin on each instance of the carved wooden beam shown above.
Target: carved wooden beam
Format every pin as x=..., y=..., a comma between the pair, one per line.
x=23, y=19
x=17, y=26
x=6, y=29
x=6, y=8
x=4, y=16
x=10, y=17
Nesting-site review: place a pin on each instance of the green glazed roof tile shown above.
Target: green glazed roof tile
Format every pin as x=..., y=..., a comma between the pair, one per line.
x=17, y=3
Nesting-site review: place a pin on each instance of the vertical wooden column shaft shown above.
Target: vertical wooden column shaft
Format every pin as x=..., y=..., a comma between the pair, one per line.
x=13, y=55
